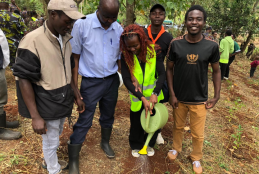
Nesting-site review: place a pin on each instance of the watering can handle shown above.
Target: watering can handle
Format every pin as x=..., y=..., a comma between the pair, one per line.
x=148, y=117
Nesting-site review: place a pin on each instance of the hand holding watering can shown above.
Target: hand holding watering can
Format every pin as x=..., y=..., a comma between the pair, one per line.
x=149, y=105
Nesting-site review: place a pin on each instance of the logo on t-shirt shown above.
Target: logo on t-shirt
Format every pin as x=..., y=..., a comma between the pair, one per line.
x=192, y=58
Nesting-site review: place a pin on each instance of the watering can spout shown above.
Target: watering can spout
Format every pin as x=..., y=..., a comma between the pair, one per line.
x=143, y=151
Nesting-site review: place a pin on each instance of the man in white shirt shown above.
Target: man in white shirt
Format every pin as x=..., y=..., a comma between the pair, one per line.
x=5, y=134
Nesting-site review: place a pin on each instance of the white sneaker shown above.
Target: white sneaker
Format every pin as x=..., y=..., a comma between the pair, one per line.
x=135, y=153
x=159, y=139
x=150, y=151
x=225, y=78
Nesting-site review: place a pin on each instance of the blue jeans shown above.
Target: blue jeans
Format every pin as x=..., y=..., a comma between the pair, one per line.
x=94, y=90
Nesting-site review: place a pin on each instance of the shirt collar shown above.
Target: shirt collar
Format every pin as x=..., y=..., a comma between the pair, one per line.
x=97, y=23
x=53, y=38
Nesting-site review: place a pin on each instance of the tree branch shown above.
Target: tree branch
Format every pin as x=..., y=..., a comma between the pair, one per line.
x=123, y=4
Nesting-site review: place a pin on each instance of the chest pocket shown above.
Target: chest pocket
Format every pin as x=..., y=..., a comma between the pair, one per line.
x=115, y=50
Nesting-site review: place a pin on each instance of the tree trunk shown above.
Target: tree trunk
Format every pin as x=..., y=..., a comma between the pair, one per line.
x=250, y=34
x=130, y=15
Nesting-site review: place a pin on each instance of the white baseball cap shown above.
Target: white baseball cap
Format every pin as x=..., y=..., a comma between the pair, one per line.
x=69, y=7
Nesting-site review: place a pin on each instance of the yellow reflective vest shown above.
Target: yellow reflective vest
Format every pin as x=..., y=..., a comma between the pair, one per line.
x=34, y=19
x=147, y=83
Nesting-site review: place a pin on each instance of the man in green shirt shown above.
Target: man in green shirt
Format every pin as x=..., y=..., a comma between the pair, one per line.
x=226, y=48
x=232, y=56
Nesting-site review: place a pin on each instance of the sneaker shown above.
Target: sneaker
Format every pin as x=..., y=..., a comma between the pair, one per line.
x=63, y=164
x=150, y=151
x=172, y=155
x=196, y=166
x=135, y=153
x=159, y=139
x=226, y=78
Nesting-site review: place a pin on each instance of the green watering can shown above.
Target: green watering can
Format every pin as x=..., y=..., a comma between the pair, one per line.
x=152, y=123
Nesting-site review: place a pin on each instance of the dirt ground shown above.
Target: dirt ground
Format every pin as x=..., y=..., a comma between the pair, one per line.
x=231, y=136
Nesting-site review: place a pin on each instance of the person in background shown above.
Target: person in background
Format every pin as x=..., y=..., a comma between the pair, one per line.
x=13, y=27
x=96, y=50
x=250, y=50
x=187, y=78
x=215, y=36
x=5, y=134
x=13, y=6
x=45, y=89
x=226, y=48
x=254, y=64
x=157, y=35
x=27, y=18
x=139, y=59
x=208, y=33
x=232, y=56
x=34, y=16
x=33, y=25
x=24, y=10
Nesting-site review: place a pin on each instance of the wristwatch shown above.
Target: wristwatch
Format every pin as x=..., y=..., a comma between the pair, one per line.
x=154, y=93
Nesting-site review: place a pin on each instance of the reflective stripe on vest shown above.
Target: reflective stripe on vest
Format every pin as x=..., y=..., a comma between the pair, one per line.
x=148, y=83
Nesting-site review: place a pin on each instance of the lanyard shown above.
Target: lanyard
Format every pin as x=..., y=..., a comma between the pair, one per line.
x=158, y=36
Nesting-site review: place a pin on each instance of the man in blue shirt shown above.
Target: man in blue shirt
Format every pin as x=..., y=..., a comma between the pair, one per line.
x=96, y=50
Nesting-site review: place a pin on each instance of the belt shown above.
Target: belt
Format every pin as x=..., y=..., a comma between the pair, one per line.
x=104, y=78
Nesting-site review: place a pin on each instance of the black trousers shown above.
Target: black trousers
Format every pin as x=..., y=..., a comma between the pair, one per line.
x=231, y=59
x=223, y=67
x=137, y=135
x=252, y=71
x=94, y=90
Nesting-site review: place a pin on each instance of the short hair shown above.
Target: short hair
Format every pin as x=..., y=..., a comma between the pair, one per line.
x=102, y=1
x=17, y=12
x=24, y=8
x=196, y=7
x=213, y=32
x=228, y=32
x=33, y=13
x=234, y=36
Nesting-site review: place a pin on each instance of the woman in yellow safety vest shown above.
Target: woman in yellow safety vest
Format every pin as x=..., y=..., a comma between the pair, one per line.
x=139, y=60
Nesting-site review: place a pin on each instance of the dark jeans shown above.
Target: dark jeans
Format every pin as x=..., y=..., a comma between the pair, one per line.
x=223, y=67
x=231, y=59
x=252, y=71
x=137, y=135
x=93, y=90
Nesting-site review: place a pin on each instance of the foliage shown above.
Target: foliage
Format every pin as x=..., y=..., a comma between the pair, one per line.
x=237, y=15
x=237, y=137
x=31, y=5
x=142, y=7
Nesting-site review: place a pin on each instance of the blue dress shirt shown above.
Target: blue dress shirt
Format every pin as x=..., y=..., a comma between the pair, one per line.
x=99, y=49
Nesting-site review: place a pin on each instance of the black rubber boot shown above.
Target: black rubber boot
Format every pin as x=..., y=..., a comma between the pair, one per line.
x=7, y=124
x=6, y=134
x=3, y=120
x=106, y=134
x=73, y=154
x=12, y=124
